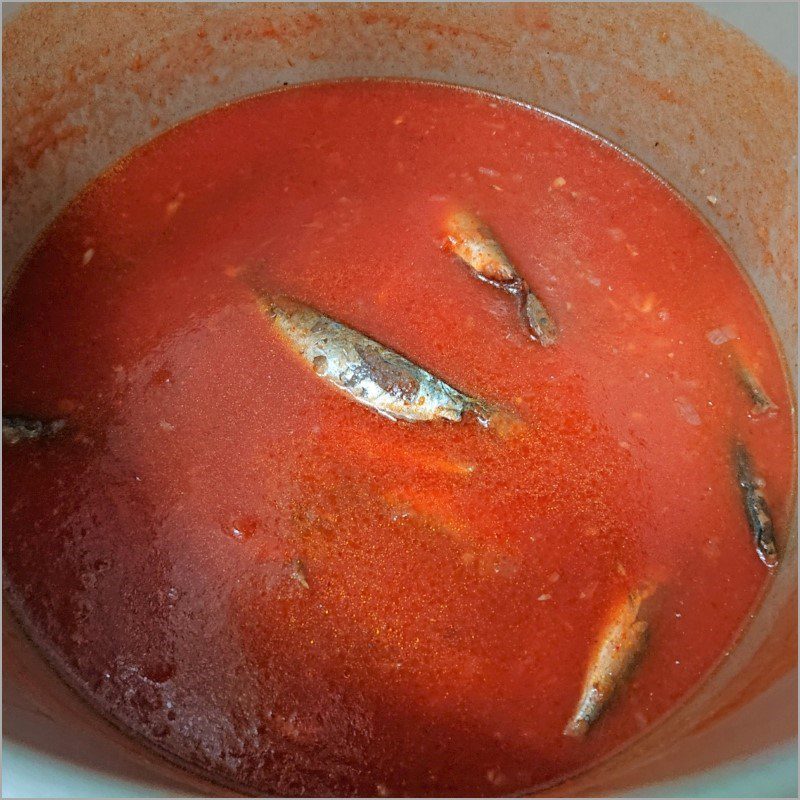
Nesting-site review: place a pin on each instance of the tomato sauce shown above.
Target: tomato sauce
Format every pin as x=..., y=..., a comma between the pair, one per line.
x=452, y=582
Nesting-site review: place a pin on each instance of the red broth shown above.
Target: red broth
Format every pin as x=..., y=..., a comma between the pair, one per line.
x=457, y=580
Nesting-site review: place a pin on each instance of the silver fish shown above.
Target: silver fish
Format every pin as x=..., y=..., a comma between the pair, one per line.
x=473, y=242
x=619, y=646
x=755, y=505
x=370, y=373
x=762, y=403
x=15, y=429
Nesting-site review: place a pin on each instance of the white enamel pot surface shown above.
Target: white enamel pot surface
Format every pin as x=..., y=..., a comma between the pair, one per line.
x=692, y=97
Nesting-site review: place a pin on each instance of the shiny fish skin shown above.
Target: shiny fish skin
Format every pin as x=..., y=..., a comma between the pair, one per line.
x=619, y=646
x=755, y=505
x=473, y=242
x=762, y=403
x=370, y=373
x=15, y=429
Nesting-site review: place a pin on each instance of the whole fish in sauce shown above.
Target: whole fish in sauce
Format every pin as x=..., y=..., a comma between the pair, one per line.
x=619, y=646
x=16, y=429
x=473, y=242
x=762, y=403
x=755, y=505
x=370, y=373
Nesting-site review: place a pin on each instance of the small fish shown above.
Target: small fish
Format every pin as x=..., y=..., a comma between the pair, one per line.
x=619, y=646
x=762, y=403
x=473, y=242
x=370, y=373
x=755, y=505
x=15, y=429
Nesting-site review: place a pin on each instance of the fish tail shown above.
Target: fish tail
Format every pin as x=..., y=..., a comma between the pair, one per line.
x=536, y=317
x=15, y=429
x=506, y=424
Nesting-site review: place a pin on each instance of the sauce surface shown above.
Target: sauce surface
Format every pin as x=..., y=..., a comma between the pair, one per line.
x=296, y=595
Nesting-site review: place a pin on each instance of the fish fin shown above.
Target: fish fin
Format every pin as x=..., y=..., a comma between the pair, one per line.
x=298, y=573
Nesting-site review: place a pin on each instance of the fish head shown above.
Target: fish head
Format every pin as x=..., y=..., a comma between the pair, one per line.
x=279, y=306
x=293, y=317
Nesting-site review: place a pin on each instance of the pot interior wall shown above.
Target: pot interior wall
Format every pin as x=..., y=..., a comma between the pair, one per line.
x=693, y=99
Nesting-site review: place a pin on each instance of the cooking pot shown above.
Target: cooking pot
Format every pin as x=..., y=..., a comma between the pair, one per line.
x=693, y=98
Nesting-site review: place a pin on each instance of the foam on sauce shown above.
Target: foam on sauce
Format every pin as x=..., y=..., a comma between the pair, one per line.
x=282, y=588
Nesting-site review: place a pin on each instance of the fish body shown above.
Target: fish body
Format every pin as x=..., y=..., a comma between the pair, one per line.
x=756, y=508
x=370, y=373
x=619, y=646
x=16, y=429
x=762, y=403
x=474, y=243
